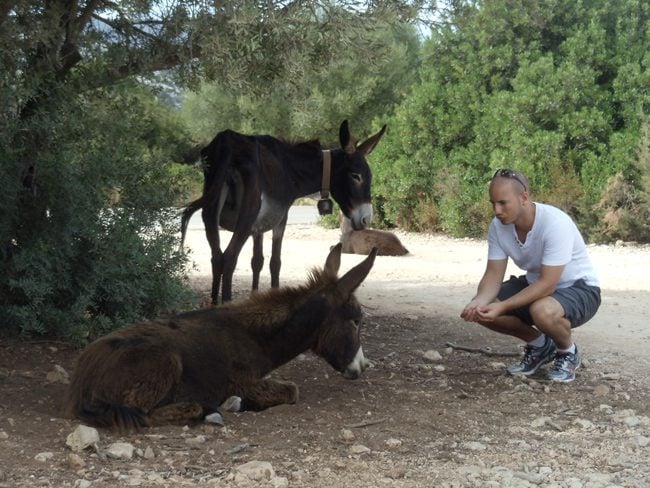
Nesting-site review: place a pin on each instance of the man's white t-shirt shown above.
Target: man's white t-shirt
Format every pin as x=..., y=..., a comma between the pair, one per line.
x=554, y=240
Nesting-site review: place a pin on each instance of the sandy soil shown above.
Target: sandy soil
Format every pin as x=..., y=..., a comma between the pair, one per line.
x=411, y=421
x=440, y=275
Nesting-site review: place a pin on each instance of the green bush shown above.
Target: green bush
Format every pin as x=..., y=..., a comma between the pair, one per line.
x=93, y=244
x=189, y=178
x=557, y=90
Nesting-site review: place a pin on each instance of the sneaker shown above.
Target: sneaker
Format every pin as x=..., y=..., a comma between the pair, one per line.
x=564, y=367
x=534, y=358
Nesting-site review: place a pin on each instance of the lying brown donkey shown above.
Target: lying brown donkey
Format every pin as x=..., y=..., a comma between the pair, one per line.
x=181, y=369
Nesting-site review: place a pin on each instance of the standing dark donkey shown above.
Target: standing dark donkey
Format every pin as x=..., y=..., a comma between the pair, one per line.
x=251, y=181
x=181, y=369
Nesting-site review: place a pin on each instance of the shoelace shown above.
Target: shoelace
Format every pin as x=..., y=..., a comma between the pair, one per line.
x=528, y=355
x=561, y=361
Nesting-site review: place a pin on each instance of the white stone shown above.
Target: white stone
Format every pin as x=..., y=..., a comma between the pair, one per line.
x=256, y=470
x=540, y=422
x=58, y=375
x=475, y=446
x=602, y=390
x=393, y=443
x=44, y=456
x=606, y=409
x=643, y=441
x=148, y=453
x=156, y=478
x=132, y=481
x=583, y=423
x=602, y=479
x=347, y=435
x=432, y=355
x=232, y=404
x=497, y=365
x=75, y=461
x=533, y=478
x=120, y=450
x=196, y=442
x=358, y=449
x=81, y=438
x=280, y=482
x=214, y=418
x=574, y=483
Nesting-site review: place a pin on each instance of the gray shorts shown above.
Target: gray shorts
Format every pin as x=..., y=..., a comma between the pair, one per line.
x=580, y=301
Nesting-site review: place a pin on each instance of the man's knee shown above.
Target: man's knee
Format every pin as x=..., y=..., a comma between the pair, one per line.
x=546, y=310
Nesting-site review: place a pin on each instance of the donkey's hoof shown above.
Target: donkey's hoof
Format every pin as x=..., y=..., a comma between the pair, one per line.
x=232, y=404
x=214, y=418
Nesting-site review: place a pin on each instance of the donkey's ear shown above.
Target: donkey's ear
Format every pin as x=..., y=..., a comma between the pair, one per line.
x=333, y=261
x=351, y=280
x=369, y=144
x=348, y=143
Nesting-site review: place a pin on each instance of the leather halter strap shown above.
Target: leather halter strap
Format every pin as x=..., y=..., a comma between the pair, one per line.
x=327, y=168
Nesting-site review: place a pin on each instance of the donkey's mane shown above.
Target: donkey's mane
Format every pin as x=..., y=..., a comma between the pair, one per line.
x=275, y=304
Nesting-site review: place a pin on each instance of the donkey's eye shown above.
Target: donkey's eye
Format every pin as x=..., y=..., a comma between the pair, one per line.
x=356, y=177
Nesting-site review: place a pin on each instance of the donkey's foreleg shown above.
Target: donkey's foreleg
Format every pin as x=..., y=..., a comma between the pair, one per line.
x=250, y=206
x=276, y=250
x=266, y=393
x=230, y=256
x=257, y=261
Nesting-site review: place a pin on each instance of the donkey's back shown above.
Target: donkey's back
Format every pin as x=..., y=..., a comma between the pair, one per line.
x=122, y=377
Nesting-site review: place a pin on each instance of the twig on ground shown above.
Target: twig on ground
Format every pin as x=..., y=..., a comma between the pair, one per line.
x=486, y=351
x=240, y=448
x=365, y=423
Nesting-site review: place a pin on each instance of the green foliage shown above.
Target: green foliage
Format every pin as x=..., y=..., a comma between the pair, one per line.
x=351, y=87
x=558, y=90
x=625, y=206
x=92, y=244
x=190, y=182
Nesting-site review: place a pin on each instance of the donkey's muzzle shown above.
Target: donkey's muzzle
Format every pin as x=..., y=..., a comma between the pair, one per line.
x=361, y=216
x=357, y=366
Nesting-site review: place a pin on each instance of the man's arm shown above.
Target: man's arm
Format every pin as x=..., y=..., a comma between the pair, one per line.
x=548, y=279
x=488, y=288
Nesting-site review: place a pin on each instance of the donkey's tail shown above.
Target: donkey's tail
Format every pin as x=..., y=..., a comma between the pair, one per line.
x=187, y=214
x=121, y=417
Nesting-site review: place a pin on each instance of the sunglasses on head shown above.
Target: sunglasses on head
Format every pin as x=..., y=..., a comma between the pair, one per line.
x=508, y=173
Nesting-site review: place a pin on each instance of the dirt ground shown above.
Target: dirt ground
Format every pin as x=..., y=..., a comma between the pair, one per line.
x=414, y=419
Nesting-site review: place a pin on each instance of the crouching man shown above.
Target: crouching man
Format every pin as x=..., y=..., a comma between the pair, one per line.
x=559, y=291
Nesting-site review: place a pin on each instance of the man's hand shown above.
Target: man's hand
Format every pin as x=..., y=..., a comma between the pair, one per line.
x=488, y=289
x=490, y=312
x=470, y=312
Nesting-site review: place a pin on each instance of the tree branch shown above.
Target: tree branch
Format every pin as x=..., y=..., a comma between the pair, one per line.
x=123, y=28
